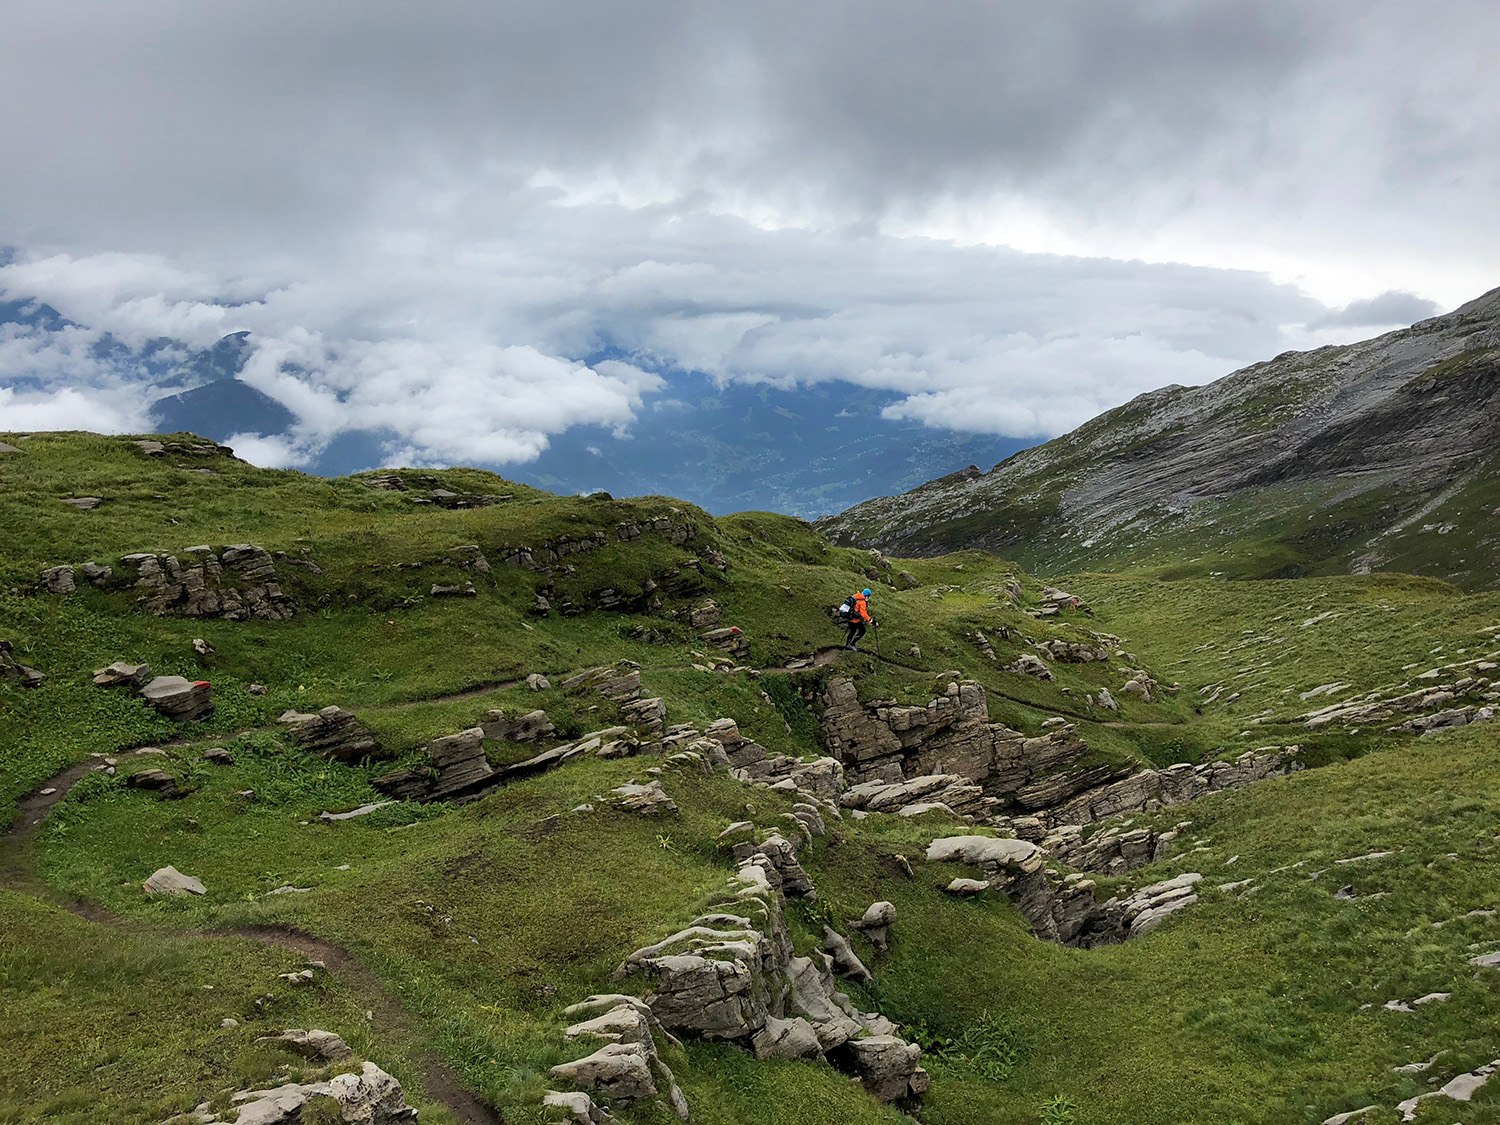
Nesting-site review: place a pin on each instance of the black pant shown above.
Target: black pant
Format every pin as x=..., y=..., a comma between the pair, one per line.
x=856, y=631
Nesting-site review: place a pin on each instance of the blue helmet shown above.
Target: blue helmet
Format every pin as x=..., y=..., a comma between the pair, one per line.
x=864, y=593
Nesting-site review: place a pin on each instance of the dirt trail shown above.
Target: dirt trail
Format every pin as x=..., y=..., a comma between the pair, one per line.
x=16, y=873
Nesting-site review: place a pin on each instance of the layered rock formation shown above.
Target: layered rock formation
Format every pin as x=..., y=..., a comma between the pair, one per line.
x=236, y=583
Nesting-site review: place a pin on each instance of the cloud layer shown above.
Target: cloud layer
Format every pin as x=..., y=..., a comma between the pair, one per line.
x=437, y=219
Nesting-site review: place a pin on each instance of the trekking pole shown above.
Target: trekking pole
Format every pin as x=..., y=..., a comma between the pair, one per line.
x=877, y=638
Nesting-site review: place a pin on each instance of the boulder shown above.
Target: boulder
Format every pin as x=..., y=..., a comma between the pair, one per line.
x=371, y=1097
x=59, y=580
x=332, y=733
x=12, y=669
x=505, y=726
x=465, y=590
x=888, y=1068
x=1028, y=665
x=179, y=699
x=616, y=1070
x=84, y=503
x=538, y=682
x=845, y=961
x=219, y=756
x=649, y=799
x=96, y=575
x=876, y=922
x=155, y=781
x=793, y=1038
x=170, y=881
x=122, y=674
x=202, y=647
x=579, y=1108
x=314, y=1044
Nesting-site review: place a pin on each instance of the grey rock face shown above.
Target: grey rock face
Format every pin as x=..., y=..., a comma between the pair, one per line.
x=505, y=726
x=732, y=975
x=179, y=699
x=331, y=733
x=371, y=1097
x=121, y=674
x=170, y=881
x=59, y=580
x=13, y=669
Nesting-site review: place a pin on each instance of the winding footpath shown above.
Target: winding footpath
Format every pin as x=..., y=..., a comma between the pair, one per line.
x=17, y=873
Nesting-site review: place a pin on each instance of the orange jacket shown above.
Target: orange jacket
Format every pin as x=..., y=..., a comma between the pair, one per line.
x=862, y=609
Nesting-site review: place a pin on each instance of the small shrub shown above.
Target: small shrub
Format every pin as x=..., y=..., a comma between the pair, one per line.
x=1059, y=1111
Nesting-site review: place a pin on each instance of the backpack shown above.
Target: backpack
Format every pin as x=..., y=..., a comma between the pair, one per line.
x=846, y=611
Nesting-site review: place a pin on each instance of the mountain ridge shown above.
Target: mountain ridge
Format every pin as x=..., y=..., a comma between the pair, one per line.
x=1362, y=441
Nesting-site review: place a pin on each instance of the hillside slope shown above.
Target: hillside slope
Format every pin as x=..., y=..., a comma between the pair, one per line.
x=541, y=749
x=1381, y=455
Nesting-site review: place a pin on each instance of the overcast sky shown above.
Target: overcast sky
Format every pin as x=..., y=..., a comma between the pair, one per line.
x=1011, y=215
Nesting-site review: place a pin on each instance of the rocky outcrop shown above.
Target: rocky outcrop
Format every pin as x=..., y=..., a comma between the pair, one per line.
x=951, y=735
x=371, y=1097
x=332, y=733
x=179, y=699
x=733, y=975
x=1113, y=850
x=509, y=726
x=1072, y=652
x=1065, y=911
x=122, y=674
x=12, y=669
x=455, y=769
x=620, y=682
x=1149, y=790
x=1453, y=696
x=170, y=881
x=236, y=583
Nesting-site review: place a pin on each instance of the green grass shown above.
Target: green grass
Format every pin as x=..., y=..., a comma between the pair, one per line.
x=487, y=920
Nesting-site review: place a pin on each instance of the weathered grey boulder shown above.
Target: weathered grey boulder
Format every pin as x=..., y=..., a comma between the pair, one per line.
x=155, y=781
x=649, y=799
x=876, y=923
x=507, y=726
x=845, y=961
x=1073, y=652
x=314, y=1044
x=889, y=1068
x=170, y=881
x=122, y=674
x=617, y=1070
x=96, y=575
x=59, y=580
x=179, y=699
x=621, y=682
x=1028, y=665
x=219, y=756
x=579, y=1108
x=12, y=669
x=538, y=682
x=84, y=503
x=793, y=1038
x=332, y=733
x=464, y=590
x=371, y=1097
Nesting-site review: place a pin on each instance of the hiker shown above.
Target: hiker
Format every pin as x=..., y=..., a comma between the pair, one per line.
x=859, y=618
